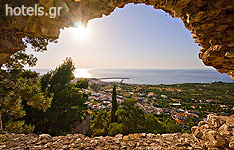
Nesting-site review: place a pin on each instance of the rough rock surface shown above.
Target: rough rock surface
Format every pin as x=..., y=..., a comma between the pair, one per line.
x=215, y=133
x=211, y=23
x=78, y=141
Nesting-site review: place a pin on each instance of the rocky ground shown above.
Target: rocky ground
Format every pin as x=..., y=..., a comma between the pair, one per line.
x=215, y=133
x=78, y=141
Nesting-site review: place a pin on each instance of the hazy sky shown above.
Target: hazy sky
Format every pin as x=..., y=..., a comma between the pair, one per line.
x=136, y=36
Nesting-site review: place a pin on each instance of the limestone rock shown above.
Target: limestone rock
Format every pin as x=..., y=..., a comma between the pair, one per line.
x=125, y=138
x=176, y=141
x=225, y=130
x=231, y=144
x=231, y=45
x=201, y=123
x=44, y=136
x=119, y=136
x=214, y=121
x=217, y=132
x=215, y=139
x=230, y=53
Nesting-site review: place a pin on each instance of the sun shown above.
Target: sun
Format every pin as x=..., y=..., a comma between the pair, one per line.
x=80, y=31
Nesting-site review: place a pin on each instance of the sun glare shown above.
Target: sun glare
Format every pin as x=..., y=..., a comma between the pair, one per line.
x=82, y=73
x=80, y=31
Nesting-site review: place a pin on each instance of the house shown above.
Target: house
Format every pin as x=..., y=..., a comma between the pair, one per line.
x=140, y=99
x=176, y=104
x=175, y=100
x=164, y=96
x=119, y=100
x=180, y=116
x=95, y=94
x=223, y=106
x=180, y=122
x=106, y=102
x=151, y=94
x=158, y=111
x=120, y=97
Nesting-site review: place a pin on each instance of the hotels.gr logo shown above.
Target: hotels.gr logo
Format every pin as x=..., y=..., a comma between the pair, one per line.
x=33, y=11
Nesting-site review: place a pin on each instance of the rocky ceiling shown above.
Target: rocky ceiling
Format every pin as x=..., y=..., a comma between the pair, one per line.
x=211, y=23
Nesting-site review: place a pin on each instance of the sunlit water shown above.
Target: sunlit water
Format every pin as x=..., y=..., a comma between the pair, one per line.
x=152, y=76
x=82, y=73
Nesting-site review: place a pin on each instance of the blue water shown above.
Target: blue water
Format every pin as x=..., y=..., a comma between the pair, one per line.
x=159, y=76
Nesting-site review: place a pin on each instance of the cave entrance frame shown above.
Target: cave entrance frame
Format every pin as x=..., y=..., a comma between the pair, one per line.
x=210, y=22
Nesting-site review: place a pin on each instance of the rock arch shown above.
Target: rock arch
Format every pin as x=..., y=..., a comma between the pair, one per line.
x=211, y=23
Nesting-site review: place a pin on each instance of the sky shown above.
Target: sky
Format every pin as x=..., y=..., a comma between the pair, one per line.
x=133, y=37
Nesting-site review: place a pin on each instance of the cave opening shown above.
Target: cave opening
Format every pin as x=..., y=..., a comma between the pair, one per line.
x=211, y=25
x=146, y=38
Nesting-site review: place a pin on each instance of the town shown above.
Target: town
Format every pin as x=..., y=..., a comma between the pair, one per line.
x=179, y=101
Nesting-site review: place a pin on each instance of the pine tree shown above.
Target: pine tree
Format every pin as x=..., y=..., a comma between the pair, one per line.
x=20, y=88
x=68, y=104
x=114, y=106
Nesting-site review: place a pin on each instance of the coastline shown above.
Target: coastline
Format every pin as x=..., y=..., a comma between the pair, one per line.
x=153, y=76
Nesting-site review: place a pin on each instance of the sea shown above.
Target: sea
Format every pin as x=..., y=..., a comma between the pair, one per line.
x=152, y=76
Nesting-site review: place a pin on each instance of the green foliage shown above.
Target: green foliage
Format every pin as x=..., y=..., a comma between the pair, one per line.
x=100, y=123
x=67, y=107
x=114, y=106
x=131, y=119
x=169, y=126
x=39, y=44
x=20, y=88
x=131, y=116
x=95, y=87
x=19, y=127
x=82, y=83
x=18, y=60
x=116, y=128
x=190, y=121
x=62, y=76
x=152, y=124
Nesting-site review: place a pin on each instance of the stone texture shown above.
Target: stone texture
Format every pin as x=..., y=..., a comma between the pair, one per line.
x=211, y=24
x=230, y=53
x=231, y=144
x=175, y=141
x=216, y=132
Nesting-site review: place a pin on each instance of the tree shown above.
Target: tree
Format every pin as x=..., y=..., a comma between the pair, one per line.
x=82, y=83
x=131, y=116
x=170, y=126
x=67, y=107
x=19, y=87
x=151, y=124
x=114, y=106
x=116, y=128
x=100, y=123
x=191, y=121
x=131, y=119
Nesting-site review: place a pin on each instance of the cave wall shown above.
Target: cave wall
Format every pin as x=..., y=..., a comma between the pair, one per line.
x=211, y=23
